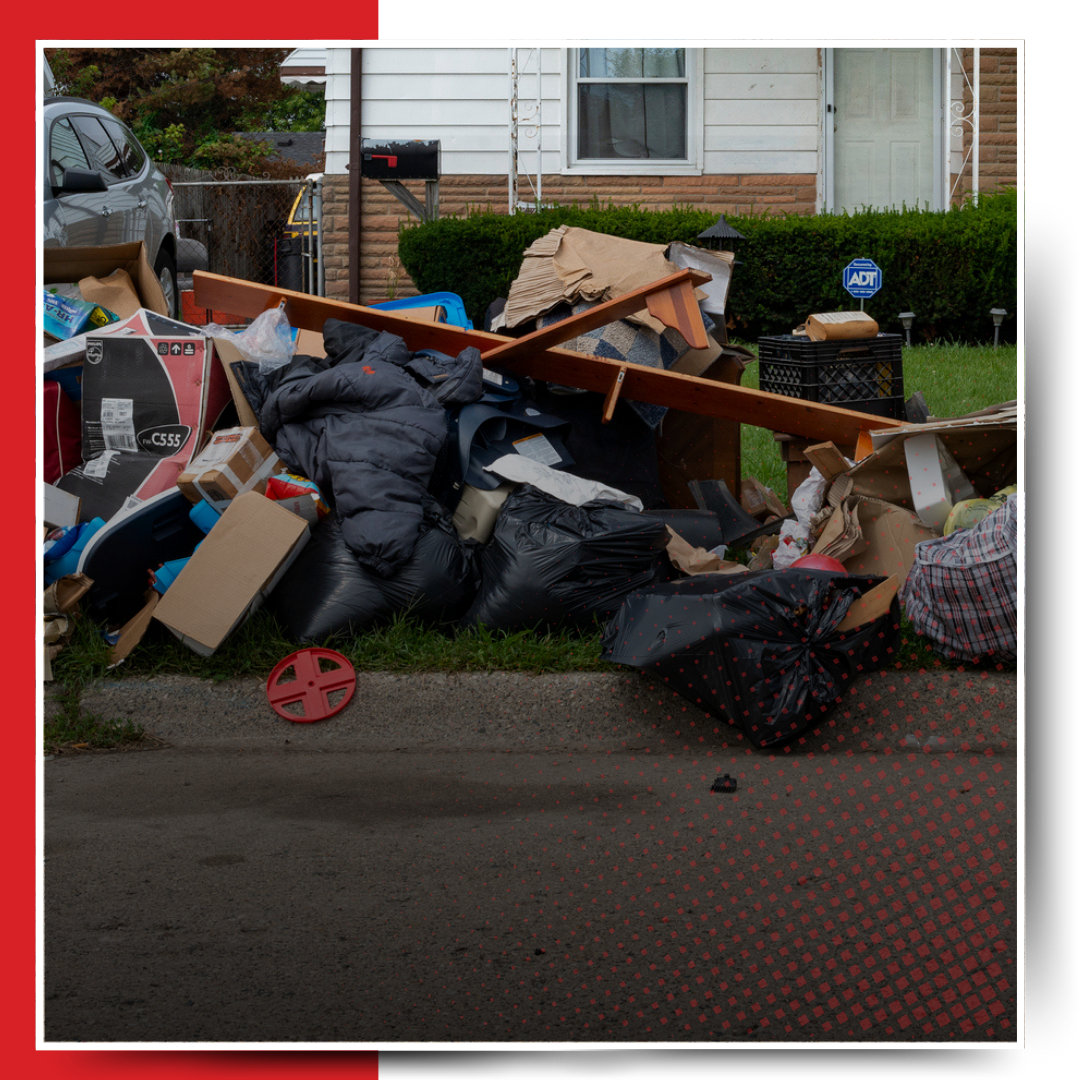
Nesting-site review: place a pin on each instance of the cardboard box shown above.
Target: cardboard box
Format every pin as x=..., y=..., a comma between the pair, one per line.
x=983, y=446
x=759, y=501
x=118, y=277
x=232, y=572
x=152, y=391
x=233, y=461
x=64, y=265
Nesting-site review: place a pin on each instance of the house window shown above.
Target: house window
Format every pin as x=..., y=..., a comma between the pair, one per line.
x=631, y=105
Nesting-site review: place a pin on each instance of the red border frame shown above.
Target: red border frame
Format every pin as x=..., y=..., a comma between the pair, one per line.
x=20, y=429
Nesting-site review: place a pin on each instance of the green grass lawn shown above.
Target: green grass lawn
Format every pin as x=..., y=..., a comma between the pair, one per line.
x=953, y=380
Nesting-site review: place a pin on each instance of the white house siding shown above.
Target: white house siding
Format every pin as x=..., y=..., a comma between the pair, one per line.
x=762, y=111
x=760, y=106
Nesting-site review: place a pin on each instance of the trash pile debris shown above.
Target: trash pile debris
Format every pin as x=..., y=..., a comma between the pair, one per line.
x=343, y=464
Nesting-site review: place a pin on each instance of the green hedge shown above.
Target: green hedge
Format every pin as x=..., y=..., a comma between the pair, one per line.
x=949, y=267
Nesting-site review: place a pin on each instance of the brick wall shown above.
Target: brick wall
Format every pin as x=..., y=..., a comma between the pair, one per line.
x=382, y=275
x=998, y=105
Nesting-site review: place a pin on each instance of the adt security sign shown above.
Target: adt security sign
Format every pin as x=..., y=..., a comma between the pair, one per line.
x=862, y=278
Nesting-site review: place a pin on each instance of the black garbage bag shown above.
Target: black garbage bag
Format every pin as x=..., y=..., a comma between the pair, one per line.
x=550, y=564
x=328, y=593
x=759, y=650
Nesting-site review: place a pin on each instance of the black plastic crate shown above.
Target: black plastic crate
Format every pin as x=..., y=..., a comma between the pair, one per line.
x=866, y=375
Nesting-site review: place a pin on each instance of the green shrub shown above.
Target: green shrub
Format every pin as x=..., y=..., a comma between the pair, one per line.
x=949, y=267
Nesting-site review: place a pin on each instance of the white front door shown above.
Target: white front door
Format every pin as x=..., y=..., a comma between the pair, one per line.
x=882, y=129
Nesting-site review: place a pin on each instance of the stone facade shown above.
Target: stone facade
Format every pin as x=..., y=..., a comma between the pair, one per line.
x=382, y=276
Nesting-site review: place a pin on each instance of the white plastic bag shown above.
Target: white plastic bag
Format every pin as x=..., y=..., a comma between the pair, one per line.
x=808, y=498
x=267, y=341
x=794, y=544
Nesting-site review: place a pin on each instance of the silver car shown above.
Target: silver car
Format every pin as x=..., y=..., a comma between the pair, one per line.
x=100, y=187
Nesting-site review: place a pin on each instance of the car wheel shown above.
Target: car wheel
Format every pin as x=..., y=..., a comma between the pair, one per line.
x=165, y=269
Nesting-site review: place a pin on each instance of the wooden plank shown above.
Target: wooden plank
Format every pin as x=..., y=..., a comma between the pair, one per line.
x=613, y=396
x=679, y=310
x=685, y=392
x=828, y=460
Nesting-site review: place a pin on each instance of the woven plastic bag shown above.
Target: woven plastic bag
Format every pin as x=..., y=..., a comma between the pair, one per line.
x=961, y=590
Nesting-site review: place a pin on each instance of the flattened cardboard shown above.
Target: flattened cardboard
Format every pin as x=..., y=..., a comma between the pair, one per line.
x=232, y=571
x=61, y=508
x=891, y=533
x=870, y=606
x=132, y=632
x=570, y=264
x=228, y=354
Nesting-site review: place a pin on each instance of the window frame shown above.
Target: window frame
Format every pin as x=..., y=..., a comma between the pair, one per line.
x=112, y=177
x=572, y=165
x=132, y=155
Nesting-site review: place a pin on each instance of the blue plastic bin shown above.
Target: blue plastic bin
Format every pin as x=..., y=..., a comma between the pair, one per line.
x=455, y=308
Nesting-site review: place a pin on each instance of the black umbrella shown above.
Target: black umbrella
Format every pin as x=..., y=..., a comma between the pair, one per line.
x=759, y=650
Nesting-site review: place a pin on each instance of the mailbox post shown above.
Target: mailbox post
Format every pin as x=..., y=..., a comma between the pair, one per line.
x=411, y=159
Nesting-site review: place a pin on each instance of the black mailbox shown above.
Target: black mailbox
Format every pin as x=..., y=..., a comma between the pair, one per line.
x=411, y=159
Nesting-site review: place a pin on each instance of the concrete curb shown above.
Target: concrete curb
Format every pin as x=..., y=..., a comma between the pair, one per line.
x=891, y=710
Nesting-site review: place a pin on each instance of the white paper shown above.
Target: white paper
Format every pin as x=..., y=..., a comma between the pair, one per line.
x=565, y=486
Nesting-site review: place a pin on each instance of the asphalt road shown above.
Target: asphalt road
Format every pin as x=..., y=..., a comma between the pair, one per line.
x=499, y=859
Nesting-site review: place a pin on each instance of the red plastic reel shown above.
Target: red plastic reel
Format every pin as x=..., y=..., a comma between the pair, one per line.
x=312, y=687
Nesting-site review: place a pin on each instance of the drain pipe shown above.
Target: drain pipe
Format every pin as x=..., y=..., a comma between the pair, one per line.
x=354, y=175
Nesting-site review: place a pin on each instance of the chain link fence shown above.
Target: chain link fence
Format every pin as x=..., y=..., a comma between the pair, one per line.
x=245, y=227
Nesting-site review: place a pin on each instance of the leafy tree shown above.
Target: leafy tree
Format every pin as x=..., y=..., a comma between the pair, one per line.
x=185, y=104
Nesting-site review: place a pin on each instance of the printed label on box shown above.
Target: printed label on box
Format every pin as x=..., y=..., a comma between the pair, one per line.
x=537, y=448
x=117, y=423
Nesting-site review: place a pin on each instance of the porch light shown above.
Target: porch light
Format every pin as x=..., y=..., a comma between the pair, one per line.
x=719, y=232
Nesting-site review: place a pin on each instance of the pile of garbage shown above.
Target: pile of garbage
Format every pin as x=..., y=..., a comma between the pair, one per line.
x=343, y=476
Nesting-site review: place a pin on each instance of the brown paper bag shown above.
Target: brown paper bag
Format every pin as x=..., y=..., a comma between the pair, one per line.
x=696, y=560
x=841, y=326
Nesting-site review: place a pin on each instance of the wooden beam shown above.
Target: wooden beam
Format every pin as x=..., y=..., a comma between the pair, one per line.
x=673, y=309
x=678, y=307
x=807, y=419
